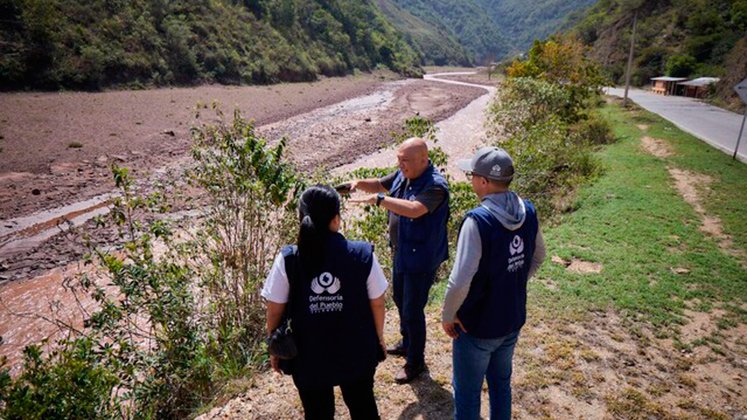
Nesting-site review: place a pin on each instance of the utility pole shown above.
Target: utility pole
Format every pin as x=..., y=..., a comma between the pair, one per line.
x=741, y=129
x=741, y=90
x=630, y=60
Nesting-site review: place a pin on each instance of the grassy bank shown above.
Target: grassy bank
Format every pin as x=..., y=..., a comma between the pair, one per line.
x=658, y=331
x=633, y=225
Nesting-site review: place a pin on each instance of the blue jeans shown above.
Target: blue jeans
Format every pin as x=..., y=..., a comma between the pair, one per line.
x=476, y=359
x=410, y=292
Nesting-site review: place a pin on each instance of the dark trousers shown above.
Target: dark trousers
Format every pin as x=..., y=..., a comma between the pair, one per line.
x=319, y=401
x=410, y=292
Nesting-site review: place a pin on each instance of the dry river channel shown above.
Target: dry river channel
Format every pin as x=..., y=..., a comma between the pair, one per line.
x=337, y=124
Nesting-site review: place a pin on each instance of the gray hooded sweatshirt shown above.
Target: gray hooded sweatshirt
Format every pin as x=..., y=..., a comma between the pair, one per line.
x=509, y=209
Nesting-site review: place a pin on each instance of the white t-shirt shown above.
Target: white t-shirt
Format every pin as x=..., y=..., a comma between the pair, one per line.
x=276, y=286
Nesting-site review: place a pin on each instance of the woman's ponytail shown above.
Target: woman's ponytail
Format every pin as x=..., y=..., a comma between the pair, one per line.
x=317, y=207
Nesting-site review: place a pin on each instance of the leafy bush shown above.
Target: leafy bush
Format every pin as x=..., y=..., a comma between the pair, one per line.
x=542, y=117
x=680, y=65
x=593, y=130
x=70, y=383
x=524, y=102
x=563, y=62
x=550, y=162
x=176, y=311
x=250, y=213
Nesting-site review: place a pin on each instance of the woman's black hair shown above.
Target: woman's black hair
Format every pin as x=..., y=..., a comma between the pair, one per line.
x=317, y=207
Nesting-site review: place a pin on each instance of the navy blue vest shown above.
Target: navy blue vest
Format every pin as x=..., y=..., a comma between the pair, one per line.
x=331, y=314
x=422, y=244
x=496, y=303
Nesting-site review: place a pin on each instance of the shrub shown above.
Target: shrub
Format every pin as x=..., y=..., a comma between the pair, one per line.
x=680, y=65
x=549, y=161
x=563, y=62
x=169, y=325
x=70, y=383
x=542, y=117
x=249, y=214
x=524, y=102
x=593, y=130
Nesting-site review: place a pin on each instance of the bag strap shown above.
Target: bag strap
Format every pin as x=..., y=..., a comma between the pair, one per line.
x=292, y=275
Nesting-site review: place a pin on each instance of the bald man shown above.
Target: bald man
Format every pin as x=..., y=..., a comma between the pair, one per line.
x=418, y=205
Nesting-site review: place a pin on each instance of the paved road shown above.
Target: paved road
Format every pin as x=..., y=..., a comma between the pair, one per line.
x=715, y=126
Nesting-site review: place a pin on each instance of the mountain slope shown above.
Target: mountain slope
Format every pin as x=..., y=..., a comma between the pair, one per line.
x=435, y=42
x=523, y=21
x=489, y=30
x=466, y=20
x=686, y=38
x=51, y=44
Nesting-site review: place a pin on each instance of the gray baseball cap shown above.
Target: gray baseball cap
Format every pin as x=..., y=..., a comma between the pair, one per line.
x=490, y=162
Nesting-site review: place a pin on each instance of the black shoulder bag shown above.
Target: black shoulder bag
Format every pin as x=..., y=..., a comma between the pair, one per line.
x=281, y=342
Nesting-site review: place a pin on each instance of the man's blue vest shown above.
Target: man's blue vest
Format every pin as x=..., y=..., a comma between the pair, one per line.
x=422, y=244
x=496, y=303
x=331, y=314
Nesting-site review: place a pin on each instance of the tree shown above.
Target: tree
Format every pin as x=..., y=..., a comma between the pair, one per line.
x=680, y=65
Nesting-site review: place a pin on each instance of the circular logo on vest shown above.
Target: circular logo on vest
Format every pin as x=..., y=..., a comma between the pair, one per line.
x=325, y=282
x=517, y=245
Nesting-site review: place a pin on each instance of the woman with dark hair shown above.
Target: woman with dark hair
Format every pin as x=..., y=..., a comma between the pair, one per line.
x=334, y=292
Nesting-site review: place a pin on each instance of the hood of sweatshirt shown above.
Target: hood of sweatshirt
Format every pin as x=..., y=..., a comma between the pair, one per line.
x=507, y=207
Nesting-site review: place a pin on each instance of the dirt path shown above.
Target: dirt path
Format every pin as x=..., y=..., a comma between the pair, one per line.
x=582, y=368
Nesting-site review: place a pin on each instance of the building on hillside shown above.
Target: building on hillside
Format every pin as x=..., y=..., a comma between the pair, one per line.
x=697, y=88
x=666, y=85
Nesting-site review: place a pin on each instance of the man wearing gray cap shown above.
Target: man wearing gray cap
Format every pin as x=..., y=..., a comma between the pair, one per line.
x=499, y=248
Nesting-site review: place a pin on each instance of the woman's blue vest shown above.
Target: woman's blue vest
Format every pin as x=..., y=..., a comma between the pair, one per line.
x=496, y=303
x=331, y=314
x=422, y=243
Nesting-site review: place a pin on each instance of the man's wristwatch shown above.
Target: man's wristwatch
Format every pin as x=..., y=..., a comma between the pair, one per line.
x=379, y=198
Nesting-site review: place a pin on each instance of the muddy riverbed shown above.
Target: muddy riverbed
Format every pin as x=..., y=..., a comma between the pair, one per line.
x=57, y=149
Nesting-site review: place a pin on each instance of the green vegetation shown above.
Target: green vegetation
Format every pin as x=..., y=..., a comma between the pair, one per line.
x=688, y=38
x=542, y=118
x=90, y=45
x=178, y=312
x=432, y=39
x=465, y=21
x=522, y=22
x=489, y=30
x=633, y=222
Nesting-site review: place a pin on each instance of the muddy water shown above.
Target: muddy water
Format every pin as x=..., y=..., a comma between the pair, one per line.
x=31, y=310
x=28, y=308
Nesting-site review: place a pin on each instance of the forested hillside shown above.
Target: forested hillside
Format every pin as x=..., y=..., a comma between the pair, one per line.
x=489, y=30
x=52, y=44
x=469, y=23
x=523, y=21
x=433, y=40
x=686, y=38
